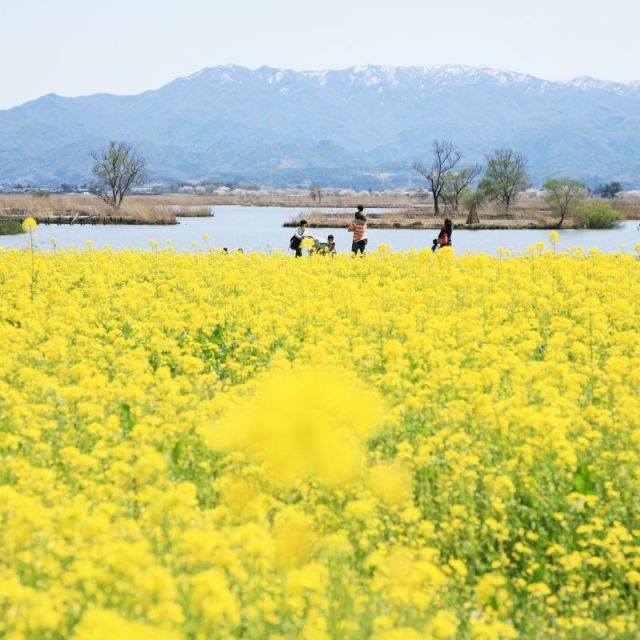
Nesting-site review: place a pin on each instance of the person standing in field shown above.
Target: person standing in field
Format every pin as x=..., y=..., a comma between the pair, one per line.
x=359, y=229
x=295, y=244
x=444, y=237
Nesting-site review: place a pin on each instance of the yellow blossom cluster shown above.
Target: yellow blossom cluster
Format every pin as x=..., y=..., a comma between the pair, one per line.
x=404, y=446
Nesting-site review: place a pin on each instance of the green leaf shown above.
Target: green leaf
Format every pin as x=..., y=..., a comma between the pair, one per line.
x=538, y=575
x=176, y=452
x=127, y=421
x=583, y=481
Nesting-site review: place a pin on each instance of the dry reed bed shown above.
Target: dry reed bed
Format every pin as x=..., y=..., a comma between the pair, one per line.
x=528, y=213
x=425, y=219
x=135, y=209
x=331, y=202
x=164, y=209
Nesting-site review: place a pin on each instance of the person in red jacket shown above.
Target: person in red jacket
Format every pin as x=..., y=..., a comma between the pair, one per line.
x=444, y=237
x=359, y=229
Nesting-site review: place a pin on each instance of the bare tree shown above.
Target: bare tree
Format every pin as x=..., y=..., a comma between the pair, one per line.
x=562, y=195
x=445, y=158
x=505, y=176
x=316, y=194
x=456, y=182
x=118, y=168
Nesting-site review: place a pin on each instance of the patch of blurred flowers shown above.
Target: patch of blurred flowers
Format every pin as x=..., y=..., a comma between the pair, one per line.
x=248, y=446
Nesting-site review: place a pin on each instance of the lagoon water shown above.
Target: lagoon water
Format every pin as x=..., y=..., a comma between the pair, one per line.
x=260, y=229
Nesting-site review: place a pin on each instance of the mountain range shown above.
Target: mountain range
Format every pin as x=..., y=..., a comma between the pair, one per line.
x=362, y=125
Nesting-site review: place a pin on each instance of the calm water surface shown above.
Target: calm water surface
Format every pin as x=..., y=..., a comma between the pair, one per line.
x=260, y=229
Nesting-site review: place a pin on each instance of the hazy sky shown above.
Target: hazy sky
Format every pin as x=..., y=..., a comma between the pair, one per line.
x=77, y=47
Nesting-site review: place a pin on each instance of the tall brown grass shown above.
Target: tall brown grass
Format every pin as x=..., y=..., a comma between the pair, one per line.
x=630, y=207
x=164, y=209
x=377, y=200
x=140, y=209
x=525, y=214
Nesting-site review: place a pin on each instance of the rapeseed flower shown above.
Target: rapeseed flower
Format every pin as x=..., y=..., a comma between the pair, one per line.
x=28, y=225
x=304, y=424
x=195, y=446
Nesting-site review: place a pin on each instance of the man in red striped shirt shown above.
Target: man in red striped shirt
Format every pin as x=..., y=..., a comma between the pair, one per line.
x=359, y=229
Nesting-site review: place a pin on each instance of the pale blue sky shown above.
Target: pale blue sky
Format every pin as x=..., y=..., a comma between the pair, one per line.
x=78, y=47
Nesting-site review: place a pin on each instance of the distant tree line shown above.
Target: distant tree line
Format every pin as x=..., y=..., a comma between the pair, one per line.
x=608, y=191
x=504, y=177
x=119, y=168
x=503, y=180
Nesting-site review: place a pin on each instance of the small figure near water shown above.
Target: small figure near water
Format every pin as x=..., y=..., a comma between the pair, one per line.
x=320, y=247
x=359, y=229
x=323, y=247
x=444, y=237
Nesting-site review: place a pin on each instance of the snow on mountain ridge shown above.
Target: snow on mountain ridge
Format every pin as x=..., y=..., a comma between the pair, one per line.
x=587, y=83
x=378, y=75
x=374, y=75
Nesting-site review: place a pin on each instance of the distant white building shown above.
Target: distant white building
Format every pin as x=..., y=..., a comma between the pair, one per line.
x=186, y=189
x=150, y=187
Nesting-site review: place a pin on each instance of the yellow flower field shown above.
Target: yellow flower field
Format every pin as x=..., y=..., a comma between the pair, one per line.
x=398, y=447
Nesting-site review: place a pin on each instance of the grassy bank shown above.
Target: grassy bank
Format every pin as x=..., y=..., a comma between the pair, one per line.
x=530, y=213
x=10, y=228
x=91, y=209
x=526, y=207
x=403, y=212
x=416, y=219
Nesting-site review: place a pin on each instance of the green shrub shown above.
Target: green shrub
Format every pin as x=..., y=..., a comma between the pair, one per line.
x=595, y=214
x=10, y=228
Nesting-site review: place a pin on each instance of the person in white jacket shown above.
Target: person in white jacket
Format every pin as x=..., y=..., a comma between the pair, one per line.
x=295, y=244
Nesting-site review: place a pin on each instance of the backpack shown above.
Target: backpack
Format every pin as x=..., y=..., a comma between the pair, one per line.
x=294, y=242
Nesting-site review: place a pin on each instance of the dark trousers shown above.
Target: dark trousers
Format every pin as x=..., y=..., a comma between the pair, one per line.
x=358, y=246
x=298, y=252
